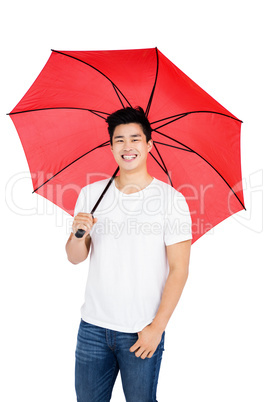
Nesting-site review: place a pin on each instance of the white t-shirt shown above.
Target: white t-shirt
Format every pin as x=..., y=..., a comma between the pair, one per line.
x=128, y=264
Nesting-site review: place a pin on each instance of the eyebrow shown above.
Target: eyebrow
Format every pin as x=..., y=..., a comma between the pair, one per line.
x=132, y=136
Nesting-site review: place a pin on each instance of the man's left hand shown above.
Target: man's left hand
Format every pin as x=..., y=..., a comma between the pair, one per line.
x=146, y=345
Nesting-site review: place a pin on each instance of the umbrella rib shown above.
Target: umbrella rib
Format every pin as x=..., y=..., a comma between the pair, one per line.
x=96, y=69
x=153, y=90
x=181, y=115
x=62, y=107
x=170, y=117
x=163, y=163
x=158, y=162
x=192, y=150
x=118, y=96
x=173, y=139
x=104, y=144
x=172, y=146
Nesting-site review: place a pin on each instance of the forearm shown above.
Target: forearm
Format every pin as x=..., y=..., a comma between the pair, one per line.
x=77, y=249
x=171, y=294
x=150, y=336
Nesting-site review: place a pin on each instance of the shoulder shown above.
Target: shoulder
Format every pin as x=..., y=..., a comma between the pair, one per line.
x=97, y=186
x=167, y=190
x=92, y=191
x=89, y=195
x=174, y=202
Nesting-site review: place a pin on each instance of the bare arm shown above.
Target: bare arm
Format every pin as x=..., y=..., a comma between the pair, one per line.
x=178, y=258
x=77, y=249
x=149, y=338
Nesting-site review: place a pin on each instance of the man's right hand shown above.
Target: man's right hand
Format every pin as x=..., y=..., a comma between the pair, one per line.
x=83, y=221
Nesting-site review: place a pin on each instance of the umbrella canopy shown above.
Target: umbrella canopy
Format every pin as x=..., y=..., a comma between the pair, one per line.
x=61, y=124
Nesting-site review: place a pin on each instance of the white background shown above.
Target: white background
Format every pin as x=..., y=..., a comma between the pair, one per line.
x=216, y=341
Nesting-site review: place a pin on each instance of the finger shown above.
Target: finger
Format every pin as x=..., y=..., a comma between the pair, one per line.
x=86, y=228
x=144, y=355
x=81, y=225
x=134, y=347
x=83, y=221
x=82, y=215
x=150, y=354
x=140, y=352
x=85, y=218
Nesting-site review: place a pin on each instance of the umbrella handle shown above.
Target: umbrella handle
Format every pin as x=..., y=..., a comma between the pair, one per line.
x=80, y=233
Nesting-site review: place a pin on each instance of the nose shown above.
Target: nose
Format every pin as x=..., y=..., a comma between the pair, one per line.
x=127, y=146
x=127, y=149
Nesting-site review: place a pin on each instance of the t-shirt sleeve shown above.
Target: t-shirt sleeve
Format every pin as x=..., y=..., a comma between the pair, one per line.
x=80, y=203
x=178, y=222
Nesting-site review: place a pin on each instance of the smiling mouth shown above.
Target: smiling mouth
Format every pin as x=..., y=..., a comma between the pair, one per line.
x=129, y=157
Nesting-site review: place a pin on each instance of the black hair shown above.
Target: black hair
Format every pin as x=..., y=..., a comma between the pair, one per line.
x=126, y=116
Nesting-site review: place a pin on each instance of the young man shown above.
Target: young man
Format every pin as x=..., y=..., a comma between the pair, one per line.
x=139, y=246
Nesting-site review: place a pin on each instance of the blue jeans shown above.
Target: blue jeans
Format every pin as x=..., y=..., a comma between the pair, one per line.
x=101, y=353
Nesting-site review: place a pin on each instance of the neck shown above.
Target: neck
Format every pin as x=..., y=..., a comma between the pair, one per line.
x=131, y=182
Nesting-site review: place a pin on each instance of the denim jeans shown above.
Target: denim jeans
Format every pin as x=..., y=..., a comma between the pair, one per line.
x=101, y=353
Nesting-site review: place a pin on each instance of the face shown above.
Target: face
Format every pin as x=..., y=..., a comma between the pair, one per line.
x=129, y=147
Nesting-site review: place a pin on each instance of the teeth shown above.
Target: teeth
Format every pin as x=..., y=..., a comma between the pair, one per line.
x=128, y=157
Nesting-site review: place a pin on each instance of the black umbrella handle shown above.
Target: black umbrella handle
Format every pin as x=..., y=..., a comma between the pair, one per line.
x=80, y=232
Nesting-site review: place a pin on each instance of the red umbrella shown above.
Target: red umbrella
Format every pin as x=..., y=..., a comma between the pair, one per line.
x=61, y=124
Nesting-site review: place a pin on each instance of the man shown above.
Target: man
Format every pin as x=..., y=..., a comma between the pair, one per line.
x=139, y=246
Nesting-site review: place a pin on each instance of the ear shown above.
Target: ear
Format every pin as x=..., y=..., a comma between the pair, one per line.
x=150, y=145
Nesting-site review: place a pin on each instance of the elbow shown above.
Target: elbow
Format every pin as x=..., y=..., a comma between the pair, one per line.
x=70, y=254
x=185, y=274
x=72, y=262
x=181, y=272
x=70, y=258
x=76, y=254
